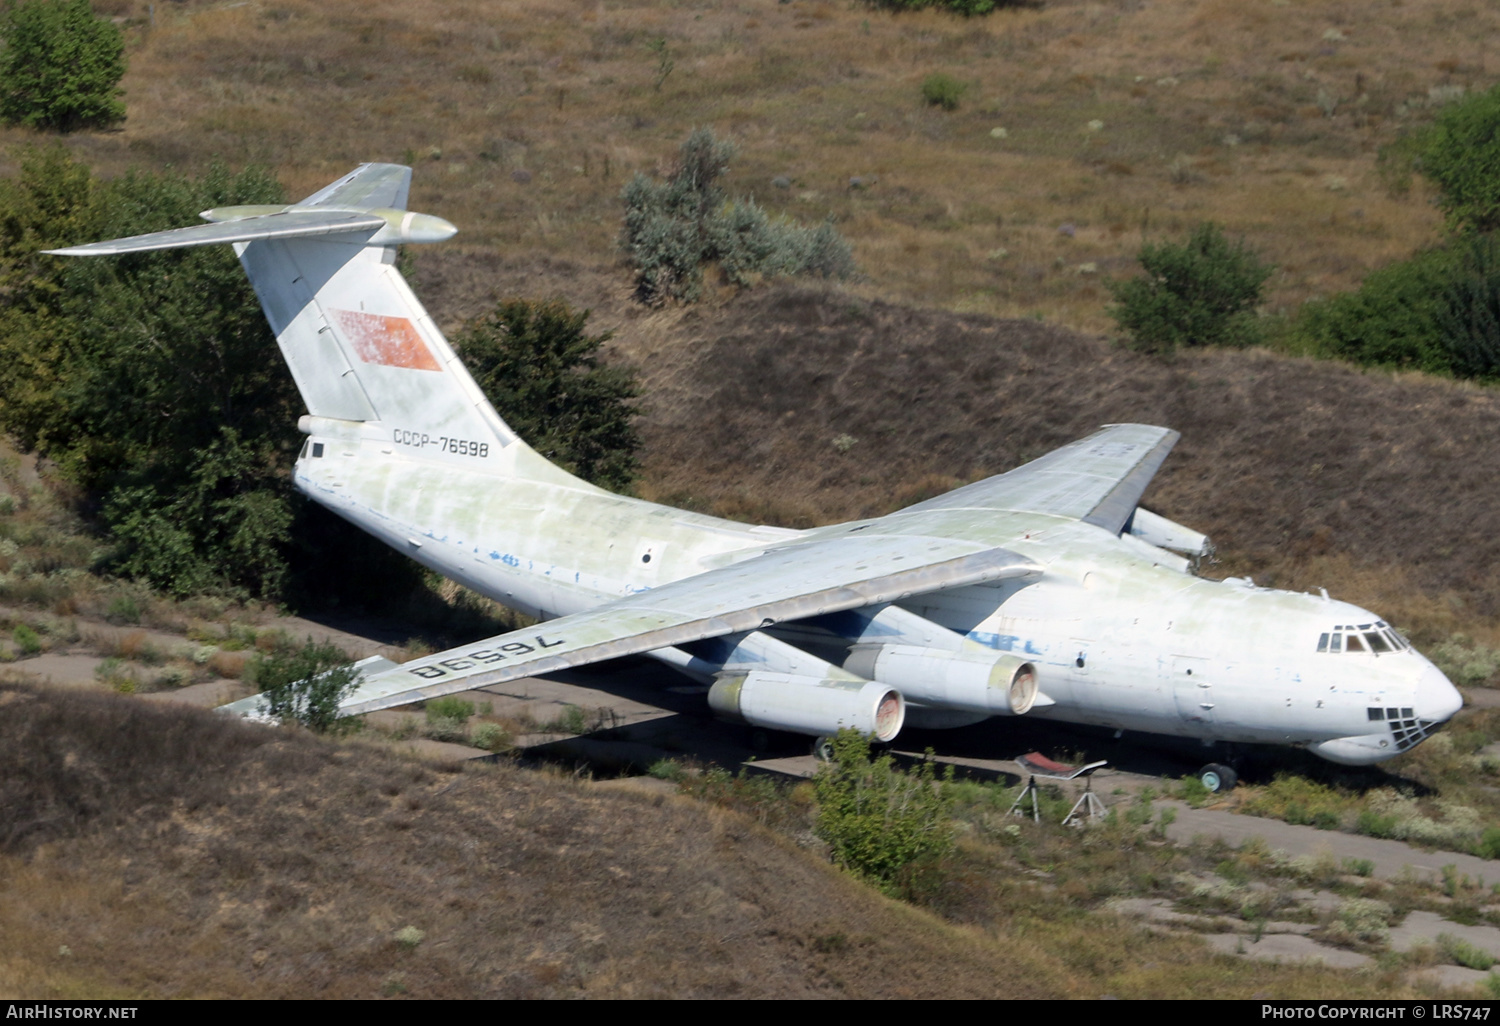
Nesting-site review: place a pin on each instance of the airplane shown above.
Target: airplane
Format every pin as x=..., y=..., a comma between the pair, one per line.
x=1046, y=591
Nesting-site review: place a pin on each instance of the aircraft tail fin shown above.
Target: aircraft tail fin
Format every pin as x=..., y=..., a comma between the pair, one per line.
x=361, y=348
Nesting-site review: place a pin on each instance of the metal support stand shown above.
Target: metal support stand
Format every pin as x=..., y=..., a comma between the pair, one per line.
x=1088, y=805
x=1089, y=802
x=1029, y=791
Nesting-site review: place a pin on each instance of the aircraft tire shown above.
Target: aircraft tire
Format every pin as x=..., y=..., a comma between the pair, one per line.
x=1217, y=777
x=822, y=749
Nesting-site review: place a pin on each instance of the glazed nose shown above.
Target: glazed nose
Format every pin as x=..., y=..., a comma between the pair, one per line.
x=1436, y=699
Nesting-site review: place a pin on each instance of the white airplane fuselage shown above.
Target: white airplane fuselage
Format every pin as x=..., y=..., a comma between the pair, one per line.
x=1119, y=634
x=1040, y=591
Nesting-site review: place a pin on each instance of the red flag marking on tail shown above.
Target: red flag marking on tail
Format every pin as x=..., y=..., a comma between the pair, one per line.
x=392, y=341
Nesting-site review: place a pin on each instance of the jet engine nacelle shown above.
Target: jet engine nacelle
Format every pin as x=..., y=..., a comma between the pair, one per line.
x=809, y=705
x=995, y=684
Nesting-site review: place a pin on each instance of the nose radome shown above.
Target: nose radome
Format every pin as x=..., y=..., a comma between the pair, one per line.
x=1437, y=698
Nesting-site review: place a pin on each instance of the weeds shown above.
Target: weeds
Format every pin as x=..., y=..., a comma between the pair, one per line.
x=1360, y=921
x=759, y=796
x=1466, y=663
x=1461, y=952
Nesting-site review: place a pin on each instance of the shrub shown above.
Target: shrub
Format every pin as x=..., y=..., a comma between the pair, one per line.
x=448, y=719
x=1391, y=320
x=890, y=827
x=304, y=684
x=674, y=227
x=1461, y=952
x=1361, y=920
x=1461, y=154
x=943, y=91
x=1203, y=292
x=60, y=67
x=490, y=736
x=572, y=720
x=1468, y=314
x=123, y=609
x=449, y=708
x=542, y=372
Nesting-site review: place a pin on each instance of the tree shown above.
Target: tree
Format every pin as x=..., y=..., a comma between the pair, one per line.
x=543, y=375
x=1461, y=154
x=151, y=379
x=1201, y=293
x=60, y=66
x=304, y=684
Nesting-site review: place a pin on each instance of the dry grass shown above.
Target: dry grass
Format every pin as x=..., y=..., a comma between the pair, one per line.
x=1264, y=118
x=170, y=852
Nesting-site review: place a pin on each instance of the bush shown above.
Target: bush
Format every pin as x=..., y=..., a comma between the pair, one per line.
x=490, y=736
x=943, y=91
x=26, y=639
x=1391, y=320
x=1437, y=312
x=890, y=827
x=1461, y=952
x=1201, y=293
x=60, y=67
x=1461, y=154
x=1468, y=314
x=448, y=708
x=543, y=374
x=674, y=227
x=304, y=684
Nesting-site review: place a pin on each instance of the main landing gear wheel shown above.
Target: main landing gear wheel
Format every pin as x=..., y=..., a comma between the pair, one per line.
x=1218, y=777
x=822, y=749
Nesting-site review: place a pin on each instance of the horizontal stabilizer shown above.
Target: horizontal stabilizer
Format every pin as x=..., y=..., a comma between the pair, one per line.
x=290, y=224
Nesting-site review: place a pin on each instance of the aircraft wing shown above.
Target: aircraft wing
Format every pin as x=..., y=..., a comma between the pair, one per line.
x=790, y=582
x=1099, y=479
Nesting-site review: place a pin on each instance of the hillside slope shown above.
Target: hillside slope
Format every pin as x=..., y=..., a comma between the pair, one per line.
x=1284, y=462
x=172, y=852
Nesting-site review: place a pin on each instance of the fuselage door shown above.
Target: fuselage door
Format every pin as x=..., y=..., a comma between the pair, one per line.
x=1193, y=692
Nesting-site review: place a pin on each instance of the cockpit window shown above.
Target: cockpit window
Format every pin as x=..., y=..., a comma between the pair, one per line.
x=1374, y=637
